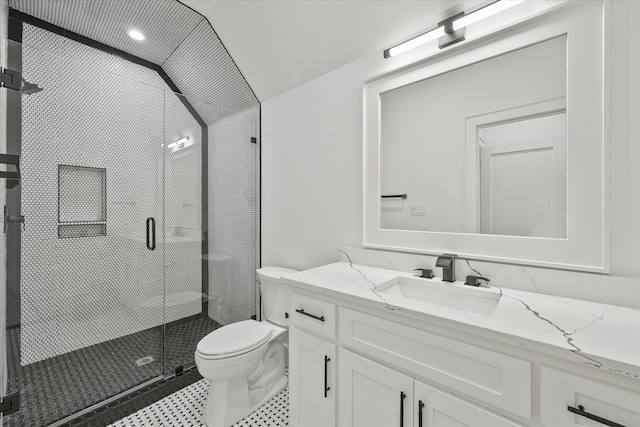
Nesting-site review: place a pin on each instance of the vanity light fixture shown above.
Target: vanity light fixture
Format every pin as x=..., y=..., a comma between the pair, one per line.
x=136, y=35
x=451, y=30
x=179, y=144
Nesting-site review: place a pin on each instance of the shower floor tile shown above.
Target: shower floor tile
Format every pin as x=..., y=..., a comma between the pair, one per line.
x=184, y=408
x=55, y=388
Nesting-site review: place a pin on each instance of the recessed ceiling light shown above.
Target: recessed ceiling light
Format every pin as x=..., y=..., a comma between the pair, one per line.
x=136, y=35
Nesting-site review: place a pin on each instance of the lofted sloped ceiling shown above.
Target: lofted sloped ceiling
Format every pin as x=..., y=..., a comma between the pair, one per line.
x=275, y=45
x=178, y=39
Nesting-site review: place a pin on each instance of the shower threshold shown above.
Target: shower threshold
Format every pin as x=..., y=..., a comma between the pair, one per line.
x=75, y=419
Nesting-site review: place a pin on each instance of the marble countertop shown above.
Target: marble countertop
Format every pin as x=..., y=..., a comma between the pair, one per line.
x=599, y=335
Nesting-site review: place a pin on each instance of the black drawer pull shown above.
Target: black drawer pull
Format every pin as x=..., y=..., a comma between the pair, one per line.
x=326, y=388
x=301, y=311
x=402, y=397
x=420, y=407
x=580, y=411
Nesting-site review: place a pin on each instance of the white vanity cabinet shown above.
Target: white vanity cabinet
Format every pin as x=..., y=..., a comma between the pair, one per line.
x=312, y=362
x=311, y=380
x=355, y=365
x=371, y=394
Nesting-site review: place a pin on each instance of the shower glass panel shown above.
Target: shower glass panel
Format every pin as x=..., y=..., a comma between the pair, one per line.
x=91, y=289
x=4, y=15
x=209, y=282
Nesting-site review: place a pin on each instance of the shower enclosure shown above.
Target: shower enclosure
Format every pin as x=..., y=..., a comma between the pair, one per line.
x=130, y=191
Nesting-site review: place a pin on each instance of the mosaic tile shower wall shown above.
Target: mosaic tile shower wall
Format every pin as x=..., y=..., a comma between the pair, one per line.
x=100, y=111
x=233, y=253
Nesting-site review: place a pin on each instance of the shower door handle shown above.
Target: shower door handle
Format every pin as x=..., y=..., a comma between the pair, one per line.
x=151, y=233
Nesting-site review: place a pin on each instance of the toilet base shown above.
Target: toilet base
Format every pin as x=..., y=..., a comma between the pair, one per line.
x=229, y=401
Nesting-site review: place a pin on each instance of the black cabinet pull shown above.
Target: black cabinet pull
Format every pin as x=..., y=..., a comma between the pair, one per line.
x=420, y=407
x=580, y=411
x=301, y=311
x=326, y=388
x=151, y=233
x=402, y=397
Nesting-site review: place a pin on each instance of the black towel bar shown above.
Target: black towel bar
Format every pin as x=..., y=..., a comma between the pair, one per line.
x=394, y=196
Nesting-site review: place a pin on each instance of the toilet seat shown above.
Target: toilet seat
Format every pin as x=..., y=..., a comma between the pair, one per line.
x=234, y=339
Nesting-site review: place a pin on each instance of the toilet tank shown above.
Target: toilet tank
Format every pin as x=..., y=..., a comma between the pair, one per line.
x=275, y=297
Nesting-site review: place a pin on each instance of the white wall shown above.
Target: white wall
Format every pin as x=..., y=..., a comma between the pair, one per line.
x=312, y=175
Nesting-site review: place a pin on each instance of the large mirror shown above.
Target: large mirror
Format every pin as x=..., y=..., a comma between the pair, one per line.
x=495, y=148
x=479, y=149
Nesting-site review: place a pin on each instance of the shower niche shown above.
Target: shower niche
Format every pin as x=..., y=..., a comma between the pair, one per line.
x=82, y=201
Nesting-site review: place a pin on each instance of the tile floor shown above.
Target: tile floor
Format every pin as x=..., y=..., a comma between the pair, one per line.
x=184, y=408
x=57, y=387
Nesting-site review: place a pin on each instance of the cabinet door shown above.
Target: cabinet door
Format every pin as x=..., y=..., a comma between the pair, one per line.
x=435, y=408
x=311, y=380
x=372, y=395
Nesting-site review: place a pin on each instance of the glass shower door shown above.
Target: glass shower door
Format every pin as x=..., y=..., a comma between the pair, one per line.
x=141, y=230
x=90, y=293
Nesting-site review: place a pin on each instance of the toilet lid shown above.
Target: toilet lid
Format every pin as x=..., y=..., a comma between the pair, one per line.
x=239, y=337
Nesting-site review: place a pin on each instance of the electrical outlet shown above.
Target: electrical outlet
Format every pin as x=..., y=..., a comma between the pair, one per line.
x=417, y=210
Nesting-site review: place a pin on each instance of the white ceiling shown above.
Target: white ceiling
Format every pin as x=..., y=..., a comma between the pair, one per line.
x=280, y=44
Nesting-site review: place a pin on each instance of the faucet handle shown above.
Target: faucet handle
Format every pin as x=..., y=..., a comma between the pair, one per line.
x=475, y=280
x=424, y=273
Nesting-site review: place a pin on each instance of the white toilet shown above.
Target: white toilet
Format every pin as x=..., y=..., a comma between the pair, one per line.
x=245, y=361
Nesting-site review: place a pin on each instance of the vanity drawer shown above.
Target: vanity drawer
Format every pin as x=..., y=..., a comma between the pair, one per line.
x=497, y=379
x=561, y=390
x=313, y=315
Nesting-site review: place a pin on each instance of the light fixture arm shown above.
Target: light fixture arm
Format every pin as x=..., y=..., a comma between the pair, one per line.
x=451, y=36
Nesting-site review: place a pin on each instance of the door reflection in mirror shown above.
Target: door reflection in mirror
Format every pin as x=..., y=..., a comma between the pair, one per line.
x=523, y=177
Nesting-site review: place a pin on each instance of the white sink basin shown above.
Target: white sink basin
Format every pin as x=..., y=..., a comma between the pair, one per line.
x=412, y=291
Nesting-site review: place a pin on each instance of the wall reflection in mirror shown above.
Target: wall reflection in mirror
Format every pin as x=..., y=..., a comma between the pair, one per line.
x=480, y=149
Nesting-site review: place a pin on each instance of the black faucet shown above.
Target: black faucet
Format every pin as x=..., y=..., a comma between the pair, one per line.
x=447, y=262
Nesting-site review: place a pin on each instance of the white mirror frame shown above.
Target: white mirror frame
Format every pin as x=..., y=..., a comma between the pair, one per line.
x=586, y=247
